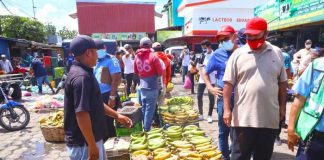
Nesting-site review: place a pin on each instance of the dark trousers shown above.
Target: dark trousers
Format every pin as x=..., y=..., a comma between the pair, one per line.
x=200, y=93
x=252, y=141
x=192, y=79
x=129, y=80
x=223, y=129
x=122, y=73
x=111, y=130
x=184, y=72
x=315, y=150
x=173, y=67
x=280, y=127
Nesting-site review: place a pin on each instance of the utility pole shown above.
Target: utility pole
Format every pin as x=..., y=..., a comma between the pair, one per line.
x=34, y=9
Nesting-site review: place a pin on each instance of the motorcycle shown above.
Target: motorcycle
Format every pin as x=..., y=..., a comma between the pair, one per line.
x=13, y=115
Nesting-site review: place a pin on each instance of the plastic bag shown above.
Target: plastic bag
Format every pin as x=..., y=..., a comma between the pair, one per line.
x=187, y=84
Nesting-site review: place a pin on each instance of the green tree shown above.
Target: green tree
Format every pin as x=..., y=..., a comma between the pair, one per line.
x=22, y=28
x=50, y=29
x=66, y=33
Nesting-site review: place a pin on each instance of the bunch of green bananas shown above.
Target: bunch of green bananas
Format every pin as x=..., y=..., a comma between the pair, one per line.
x=180, y=101
x=138, y=141
x=203, y=146
x=163, y=109
x=139, y=144
x=192, y=130
x=156, y=143
x=168, y=118
x=173, y=133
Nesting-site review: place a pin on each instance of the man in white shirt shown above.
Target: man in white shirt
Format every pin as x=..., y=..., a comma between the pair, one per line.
x=206, y=55
x=128, y=60
x=303, y=57
x=5, y=64
x=185, y=62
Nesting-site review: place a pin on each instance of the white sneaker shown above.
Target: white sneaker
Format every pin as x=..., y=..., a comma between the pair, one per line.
x=201, y=117
x=278, y=141
x=209, y=119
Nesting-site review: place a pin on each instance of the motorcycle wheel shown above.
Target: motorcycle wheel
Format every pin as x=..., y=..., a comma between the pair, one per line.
x=6, y=120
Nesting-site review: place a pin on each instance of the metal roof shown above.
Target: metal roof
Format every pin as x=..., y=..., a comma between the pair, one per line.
x=115, y=18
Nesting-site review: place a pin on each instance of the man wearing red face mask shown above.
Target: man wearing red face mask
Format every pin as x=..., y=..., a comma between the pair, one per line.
x=257, y=71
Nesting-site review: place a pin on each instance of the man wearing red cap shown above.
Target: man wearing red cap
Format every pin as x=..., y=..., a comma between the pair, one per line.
x=228, y=43
x=257, y=71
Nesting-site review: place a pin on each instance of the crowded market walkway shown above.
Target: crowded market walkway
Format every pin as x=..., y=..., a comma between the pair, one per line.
x=29, y=144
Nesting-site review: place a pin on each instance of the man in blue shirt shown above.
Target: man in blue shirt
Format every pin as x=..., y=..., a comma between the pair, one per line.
x=309, y=101
x=108, y=74
x=228, y=42
x=38, y=69
x=69, y=60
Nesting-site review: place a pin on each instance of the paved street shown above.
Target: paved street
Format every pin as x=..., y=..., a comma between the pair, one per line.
x=29, y=144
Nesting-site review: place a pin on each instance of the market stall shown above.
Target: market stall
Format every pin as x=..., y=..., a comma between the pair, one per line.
x=177, y=138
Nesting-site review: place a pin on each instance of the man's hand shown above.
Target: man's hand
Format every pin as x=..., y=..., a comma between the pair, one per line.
x=293, y=139
x=93, y=152
x=111, y=103
x=216, y=91
x=124, y=120
x=227, y=117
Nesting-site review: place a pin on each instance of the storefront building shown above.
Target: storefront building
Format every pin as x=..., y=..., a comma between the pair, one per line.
x=292, y=22
x=202, y=19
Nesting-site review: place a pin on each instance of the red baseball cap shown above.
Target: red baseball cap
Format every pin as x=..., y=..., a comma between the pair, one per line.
x=225, y=31
x=256, y=25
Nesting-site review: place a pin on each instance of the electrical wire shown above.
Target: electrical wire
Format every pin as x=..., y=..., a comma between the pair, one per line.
x=20, y=8
x=4, y=5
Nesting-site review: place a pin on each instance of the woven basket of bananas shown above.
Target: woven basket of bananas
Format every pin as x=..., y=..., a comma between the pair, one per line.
x=52, y=127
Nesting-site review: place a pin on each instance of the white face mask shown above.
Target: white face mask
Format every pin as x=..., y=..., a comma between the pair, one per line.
x=227, y=45
x=308, y=46
x=101, y=53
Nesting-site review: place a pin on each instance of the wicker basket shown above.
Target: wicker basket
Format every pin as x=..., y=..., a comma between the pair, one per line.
x=53, y=134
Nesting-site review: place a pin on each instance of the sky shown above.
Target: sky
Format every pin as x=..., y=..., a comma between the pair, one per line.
x=57, y=11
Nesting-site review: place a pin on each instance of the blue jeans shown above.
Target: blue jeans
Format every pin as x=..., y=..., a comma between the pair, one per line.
x=315, y=151
x=223, y=130
x=149, y=99
x=81, y=153
x=184, y=72
x=40, y=81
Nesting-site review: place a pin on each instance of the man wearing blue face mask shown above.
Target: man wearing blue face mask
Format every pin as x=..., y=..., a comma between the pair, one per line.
x=227, y=38
x=108, y=74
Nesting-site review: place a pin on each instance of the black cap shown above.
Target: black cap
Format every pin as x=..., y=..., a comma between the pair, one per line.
x=205, y=42
x=99, y=43
x=241, y=36
x=80, y=44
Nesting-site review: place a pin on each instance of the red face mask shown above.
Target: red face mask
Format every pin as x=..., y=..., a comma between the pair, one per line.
x=256, y=44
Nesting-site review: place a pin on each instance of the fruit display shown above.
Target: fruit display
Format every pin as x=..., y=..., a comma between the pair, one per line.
x=180, y=101
x=179, y=111
x=174, y=143
x=54, y=120
x=175, y=114
x=173, y=133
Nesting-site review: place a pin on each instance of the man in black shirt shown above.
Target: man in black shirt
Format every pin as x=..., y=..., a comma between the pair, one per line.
x=84, y=110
